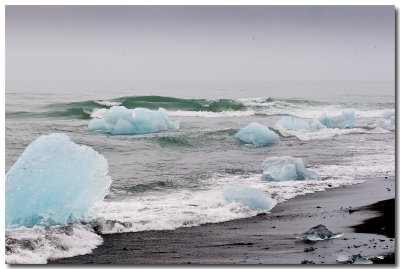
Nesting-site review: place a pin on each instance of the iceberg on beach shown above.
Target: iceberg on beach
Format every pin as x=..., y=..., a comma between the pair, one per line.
x=257, y=134
x=319, y=233
x=250, y=197
x=346, y=119
x=285, y=168
x=54, y=181
x=121, y=120
x=292, y=123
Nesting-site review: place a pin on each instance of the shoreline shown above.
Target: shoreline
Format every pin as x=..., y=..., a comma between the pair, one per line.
x=267, y=238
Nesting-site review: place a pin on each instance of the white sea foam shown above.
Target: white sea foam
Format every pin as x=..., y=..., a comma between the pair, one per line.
x=209, y=114
x=326, y=133
x=37, y=245
x=108, y=103
x=185, y=208
x=174, y=208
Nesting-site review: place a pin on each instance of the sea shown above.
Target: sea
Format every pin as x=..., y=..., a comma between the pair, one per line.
x=175, y=178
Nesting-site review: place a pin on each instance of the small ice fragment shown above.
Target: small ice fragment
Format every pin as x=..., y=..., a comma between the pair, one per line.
x=250, y=197
x=358, y=259
x=285, y=168
x=319, y=233
x=292, y=123
x=257, y=134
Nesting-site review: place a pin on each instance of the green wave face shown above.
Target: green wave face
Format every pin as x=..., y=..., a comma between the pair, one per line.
x=83, y=109
x=171, y=103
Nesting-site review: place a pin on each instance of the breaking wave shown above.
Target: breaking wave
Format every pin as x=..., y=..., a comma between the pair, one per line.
x=180, y=107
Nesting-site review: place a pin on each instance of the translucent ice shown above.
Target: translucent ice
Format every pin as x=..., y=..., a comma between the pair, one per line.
x=121, y=120
x=285, y=168
x=250, y=197
x=54, y=181
x=292, y=123
x=346, y=119
x=257, y=134
x=387, y=114
x=318, y=233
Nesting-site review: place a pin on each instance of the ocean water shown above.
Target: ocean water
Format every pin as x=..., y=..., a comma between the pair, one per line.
x=176, y=178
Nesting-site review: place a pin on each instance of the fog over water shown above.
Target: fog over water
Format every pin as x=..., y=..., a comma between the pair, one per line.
x=199, y=43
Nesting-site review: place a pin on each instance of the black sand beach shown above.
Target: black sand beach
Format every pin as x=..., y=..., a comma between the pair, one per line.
x=364, y=213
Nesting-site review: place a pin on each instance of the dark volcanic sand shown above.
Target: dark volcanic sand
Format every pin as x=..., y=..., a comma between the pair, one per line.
x=270, y=238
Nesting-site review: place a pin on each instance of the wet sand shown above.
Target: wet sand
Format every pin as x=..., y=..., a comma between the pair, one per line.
x=364, y=213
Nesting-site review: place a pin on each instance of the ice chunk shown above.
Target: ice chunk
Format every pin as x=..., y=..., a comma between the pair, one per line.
x=317, y=125
x=54, y=181
x=250, y=197
x=346, y=119
x=387, y=124
x=292, y=123
x=257, y=134
x=387, y=114
x=121, y=120
x=319, y=233
x=285, y=168
x=358, y=259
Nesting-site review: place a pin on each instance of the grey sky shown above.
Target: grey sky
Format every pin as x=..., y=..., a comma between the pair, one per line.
x=201, y=43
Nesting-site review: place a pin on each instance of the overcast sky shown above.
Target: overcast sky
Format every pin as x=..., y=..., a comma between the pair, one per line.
x=199, y=43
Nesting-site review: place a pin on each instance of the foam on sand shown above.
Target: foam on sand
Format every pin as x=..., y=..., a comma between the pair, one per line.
x=37, y=245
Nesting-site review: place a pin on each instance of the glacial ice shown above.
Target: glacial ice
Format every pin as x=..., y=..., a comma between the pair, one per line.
x=317, y=125
x=285, y=168
x=387, y=114
x=121, y=120
x=54, y=181
x=292, y=123
x=319, y=233
x=257, y=134
x=346, y=119
x=250, y=197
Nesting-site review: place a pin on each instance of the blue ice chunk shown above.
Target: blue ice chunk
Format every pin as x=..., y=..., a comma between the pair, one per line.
x=393, y=120
x=54, y=181
x=257, y=134
x=292, y=123
x=319, y=233
x=121, y=120
x=317, y=125
x=387, y=114
x=250, y=197
x=285, y=168
x=346, y=119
